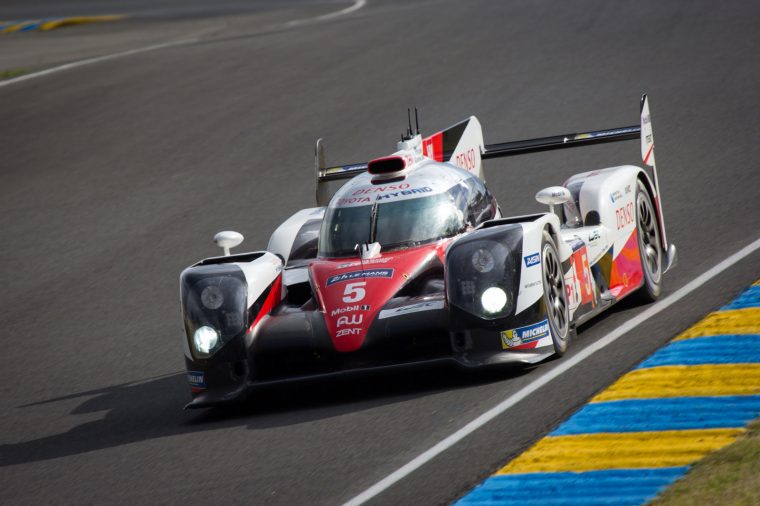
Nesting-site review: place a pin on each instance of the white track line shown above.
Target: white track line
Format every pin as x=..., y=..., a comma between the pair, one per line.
x=547, y=377
x=358, y=4
x=88, y=61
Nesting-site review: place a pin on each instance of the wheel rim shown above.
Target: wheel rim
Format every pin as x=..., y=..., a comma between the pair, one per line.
x=554, y=288
x=649, y=239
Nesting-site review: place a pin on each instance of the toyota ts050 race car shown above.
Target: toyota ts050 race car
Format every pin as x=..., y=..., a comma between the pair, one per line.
x=411, y=262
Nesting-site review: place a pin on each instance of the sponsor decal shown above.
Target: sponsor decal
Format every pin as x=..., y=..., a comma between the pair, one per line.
x=573, y=297
x=424, y=189
x=594, y=235
x=382, y=189
x=575, y=242
x=380, y=260
x=354, y=319
x=615, y=196
x=466, y=160
x=627, y=189
x=353, y=200
x=367, y=273
x=624, y=216
x=196, y=379
x=413, y=308
x=361, y=196
x=523, y=335
x=348, y=332
x=532, y=260
x=533, y=284
x=349, y=309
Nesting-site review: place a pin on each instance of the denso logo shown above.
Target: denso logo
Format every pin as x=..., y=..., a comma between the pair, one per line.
x=382, y=189
x=466, y=160
x=355, y=319
x=532, y=260
x=624, y=216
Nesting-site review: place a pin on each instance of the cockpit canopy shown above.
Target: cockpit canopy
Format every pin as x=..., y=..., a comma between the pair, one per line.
x=431, y=203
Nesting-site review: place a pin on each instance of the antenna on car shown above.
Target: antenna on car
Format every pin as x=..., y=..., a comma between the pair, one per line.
x=416, y=121
x=409, y=117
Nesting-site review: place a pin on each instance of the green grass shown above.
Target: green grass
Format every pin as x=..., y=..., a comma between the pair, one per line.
x=730, y=476
x=10, y=74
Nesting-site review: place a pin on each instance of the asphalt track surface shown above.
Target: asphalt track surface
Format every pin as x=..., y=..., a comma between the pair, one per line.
x=115, y=176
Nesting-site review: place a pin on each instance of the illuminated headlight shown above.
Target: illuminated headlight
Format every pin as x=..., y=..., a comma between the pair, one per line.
x=483, y=261
x=493, y=299
x=205, y=339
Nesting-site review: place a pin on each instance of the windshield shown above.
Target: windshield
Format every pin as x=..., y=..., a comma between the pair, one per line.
x=402, y=223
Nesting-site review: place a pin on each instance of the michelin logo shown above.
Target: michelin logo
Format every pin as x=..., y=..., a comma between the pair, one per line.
x=524, y=335
x=532, y=260
x=196, y=379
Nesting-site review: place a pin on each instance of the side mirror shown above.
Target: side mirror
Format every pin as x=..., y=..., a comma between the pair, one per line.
x=553, y=195
x=228, y=239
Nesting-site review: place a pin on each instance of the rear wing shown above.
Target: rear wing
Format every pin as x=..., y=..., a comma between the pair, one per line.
x=643, y=132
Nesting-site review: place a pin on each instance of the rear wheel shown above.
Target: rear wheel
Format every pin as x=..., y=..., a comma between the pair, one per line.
x=650, y=245
x=555, y=296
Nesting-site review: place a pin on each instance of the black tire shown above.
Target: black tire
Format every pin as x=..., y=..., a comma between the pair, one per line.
x=650, y=246
x=555, y=296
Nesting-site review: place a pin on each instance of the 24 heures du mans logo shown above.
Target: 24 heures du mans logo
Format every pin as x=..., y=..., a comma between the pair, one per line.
x=369, y=273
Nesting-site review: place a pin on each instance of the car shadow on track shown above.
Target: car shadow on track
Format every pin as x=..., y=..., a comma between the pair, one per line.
x=152, y=409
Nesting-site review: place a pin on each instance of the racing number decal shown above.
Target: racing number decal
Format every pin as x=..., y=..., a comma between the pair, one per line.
x=354, y=292
x=587, y=294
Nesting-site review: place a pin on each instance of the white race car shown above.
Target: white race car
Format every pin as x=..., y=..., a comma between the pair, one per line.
x=411, y=262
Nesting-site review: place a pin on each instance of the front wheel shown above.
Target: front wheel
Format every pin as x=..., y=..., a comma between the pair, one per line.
x=650, y=245
x=555, y=296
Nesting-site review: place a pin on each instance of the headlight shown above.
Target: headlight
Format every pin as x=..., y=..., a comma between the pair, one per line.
x=493, y=299
x=214, y=307
x=212, y=297
x=483, y=260
x=482, y=274
x=205, y=339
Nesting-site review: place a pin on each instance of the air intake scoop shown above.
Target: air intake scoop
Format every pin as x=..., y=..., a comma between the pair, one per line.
x=389, y=167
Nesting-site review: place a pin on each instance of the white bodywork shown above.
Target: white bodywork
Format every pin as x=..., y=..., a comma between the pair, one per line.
x=282, y=238
x=260, y=274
